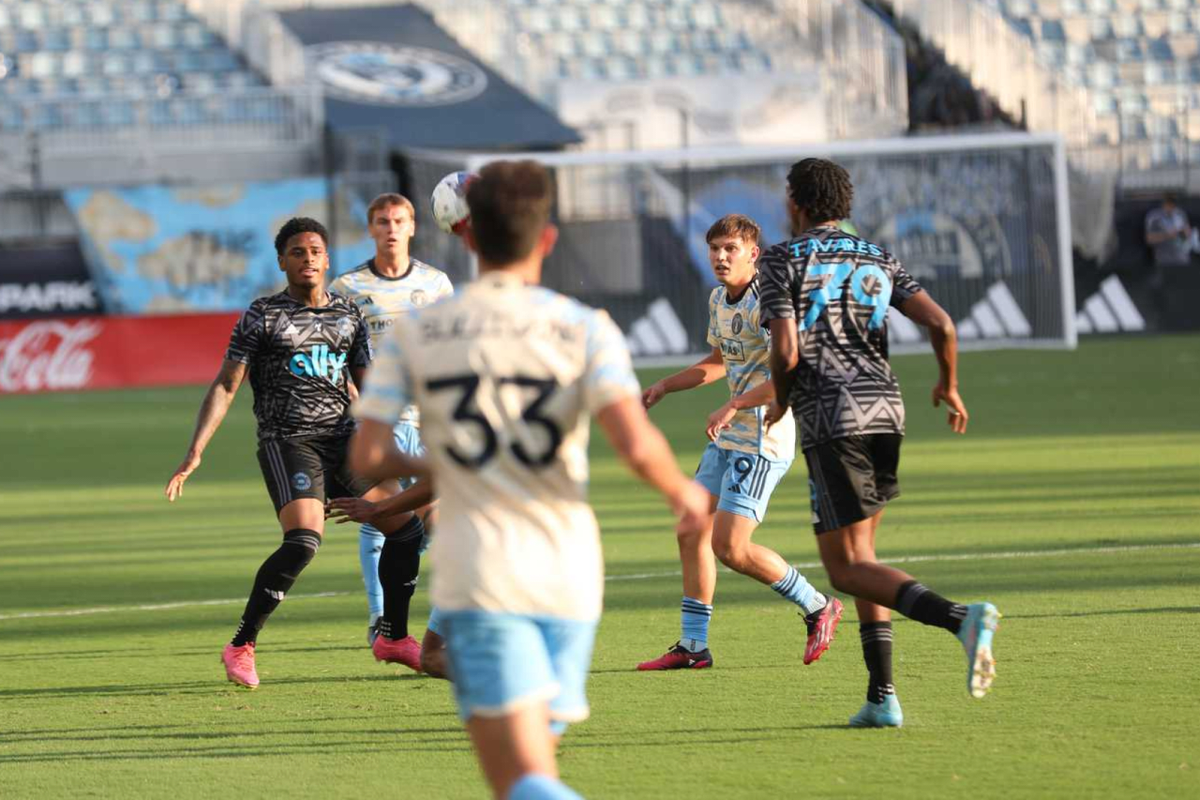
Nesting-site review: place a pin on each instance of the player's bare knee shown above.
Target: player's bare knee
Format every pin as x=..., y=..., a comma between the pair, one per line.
x=690, y=537
x=730, y=554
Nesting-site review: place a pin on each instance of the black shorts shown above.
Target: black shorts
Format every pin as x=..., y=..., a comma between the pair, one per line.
x=310, y=466
x=852, y=479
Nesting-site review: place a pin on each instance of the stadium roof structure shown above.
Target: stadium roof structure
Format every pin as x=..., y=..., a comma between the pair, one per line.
x=394, y=68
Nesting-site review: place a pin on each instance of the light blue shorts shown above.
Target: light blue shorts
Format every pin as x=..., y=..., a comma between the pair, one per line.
x=743, y=482
x=504, y=662
x=408, y=440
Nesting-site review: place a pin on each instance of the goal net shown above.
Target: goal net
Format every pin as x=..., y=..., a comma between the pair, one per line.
x=981, y=221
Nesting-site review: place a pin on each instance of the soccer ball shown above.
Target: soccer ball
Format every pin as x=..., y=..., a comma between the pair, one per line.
x=449, y=202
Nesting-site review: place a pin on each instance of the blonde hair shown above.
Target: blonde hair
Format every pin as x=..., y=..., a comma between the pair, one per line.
x=387, y=200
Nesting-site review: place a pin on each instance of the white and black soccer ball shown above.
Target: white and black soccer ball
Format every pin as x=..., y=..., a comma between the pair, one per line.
x=449, y=202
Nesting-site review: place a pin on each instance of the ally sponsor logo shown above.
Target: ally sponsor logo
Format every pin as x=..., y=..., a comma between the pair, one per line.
x=318, y=363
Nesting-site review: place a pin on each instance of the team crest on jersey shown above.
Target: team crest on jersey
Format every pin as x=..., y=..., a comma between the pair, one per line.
x=345, y=327
x=419, y=298
x=383, y=74
x=737, y=324
x=301, y=482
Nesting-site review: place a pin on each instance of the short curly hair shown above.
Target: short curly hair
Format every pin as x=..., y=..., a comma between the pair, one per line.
x=822, y=188
x=297, y=225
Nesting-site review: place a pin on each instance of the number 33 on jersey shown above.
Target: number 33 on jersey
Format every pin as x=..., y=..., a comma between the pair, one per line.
x=506, y=377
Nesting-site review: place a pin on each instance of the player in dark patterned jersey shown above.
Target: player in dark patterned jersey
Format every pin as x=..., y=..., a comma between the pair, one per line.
x=827, y=294
x=305, y=350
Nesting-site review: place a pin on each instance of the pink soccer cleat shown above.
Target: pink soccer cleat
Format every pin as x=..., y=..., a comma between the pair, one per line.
x=821, y=627
x=406, y=651
x=678, y=657
x=239, y=665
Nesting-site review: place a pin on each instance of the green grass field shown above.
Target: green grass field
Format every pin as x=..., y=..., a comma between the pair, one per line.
x=1073, y=504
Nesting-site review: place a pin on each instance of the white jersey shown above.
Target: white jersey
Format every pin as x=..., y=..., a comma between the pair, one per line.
x=383, y=300
x=745, y=343
x=506, y=376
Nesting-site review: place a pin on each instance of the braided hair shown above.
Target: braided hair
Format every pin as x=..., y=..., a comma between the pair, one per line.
x=822, y=188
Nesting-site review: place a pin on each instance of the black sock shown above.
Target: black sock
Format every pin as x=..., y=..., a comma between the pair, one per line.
x=275, y=577
x=399, y=563
x=929, y=608
x=876, y=640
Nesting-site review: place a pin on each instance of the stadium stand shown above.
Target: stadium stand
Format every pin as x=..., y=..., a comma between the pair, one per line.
x=1118, y=78
x=133, y=80
x=540, y=44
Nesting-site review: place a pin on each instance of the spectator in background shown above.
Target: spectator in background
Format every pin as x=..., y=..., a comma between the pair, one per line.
x=1169, y=235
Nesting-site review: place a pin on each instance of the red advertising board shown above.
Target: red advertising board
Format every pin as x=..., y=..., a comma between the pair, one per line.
x=84, y=353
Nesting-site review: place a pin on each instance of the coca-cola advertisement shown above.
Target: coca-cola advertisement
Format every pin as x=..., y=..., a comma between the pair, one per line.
x=83, y=353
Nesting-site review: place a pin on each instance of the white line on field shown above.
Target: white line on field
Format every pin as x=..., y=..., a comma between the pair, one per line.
x=643, y=576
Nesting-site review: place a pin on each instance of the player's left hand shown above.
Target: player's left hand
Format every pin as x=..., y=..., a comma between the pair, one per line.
x=774, y=413
x=956, y=412
x=350, y=509
x=719, y=420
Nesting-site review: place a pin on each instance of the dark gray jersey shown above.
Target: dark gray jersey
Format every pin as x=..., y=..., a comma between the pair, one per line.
x=838, y=288
x=299, y=359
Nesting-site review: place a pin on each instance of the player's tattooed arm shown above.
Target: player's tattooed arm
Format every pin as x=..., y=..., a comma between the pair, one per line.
x=718, y=420
x=923, y=310
x=703, y=372
x=212, y=411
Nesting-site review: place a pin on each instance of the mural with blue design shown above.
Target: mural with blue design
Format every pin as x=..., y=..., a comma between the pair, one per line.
x=172, y=249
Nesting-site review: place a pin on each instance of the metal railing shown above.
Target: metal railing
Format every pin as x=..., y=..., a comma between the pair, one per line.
x=262, y=132
x=257, y=33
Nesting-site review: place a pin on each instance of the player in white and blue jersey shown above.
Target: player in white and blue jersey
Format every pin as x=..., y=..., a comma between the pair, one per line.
x=507, y=375
x=384, y=288
x=743, y=462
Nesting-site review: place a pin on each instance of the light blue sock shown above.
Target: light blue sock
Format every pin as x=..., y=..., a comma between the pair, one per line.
x=794, y=587
x=370, y=545
x=532, y=786
x=694, y=617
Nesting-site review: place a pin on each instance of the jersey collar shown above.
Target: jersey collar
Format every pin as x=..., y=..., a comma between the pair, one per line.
x=412, y=264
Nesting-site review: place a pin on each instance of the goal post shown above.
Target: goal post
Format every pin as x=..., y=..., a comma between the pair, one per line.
x=982, y=221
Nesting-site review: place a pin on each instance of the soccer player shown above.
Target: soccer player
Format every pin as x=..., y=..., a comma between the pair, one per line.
x=384, y=287
x=743, y=462
x=305, y=350
x=826, y=295
x=506, y=375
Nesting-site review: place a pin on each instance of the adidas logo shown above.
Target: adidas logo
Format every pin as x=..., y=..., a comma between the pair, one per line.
x=290, y=330
x=996, y=316
x=658, y=333
x=1109, y=310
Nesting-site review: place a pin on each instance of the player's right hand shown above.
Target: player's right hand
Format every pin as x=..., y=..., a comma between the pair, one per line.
x=691, y=505
x=956, y=412
x=653, y=394
x=175, y=485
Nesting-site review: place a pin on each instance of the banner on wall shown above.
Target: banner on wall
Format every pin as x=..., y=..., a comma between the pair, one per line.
x=45, y=281
x=86, y=353
x=173, y=249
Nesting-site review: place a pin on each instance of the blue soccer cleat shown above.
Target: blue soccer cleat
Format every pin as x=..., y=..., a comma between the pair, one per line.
x=976, y=637
x=879, y=715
